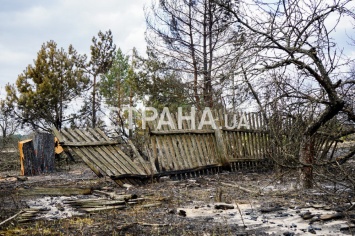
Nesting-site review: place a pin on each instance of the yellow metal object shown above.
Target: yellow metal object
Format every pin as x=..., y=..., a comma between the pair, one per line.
x=57, y=148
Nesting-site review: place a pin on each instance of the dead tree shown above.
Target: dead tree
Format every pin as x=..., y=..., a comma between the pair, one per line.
x=294, y=39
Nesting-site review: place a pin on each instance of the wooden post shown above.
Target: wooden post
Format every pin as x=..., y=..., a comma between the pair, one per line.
x=221, y=145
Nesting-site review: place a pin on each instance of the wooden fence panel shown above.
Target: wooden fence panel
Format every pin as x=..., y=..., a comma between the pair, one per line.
x=102, y=155
x=187, y=150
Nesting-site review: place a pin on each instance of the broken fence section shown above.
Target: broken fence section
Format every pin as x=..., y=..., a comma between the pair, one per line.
x=101, y=154
x=189, y=152
x=186, y=152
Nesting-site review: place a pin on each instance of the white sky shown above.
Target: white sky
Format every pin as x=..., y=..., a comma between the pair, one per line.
x=26, y=24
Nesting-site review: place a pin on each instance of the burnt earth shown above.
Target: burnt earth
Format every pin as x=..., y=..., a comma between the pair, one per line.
x=205, y=205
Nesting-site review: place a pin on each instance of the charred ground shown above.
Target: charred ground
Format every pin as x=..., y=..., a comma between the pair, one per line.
x=267, y=203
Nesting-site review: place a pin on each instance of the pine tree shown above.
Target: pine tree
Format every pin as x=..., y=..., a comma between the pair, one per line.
x=102, y=57
x=44, y=90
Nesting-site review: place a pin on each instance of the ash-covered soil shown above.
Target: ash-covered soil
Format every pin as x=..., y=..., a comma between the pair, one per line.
x=228, y=203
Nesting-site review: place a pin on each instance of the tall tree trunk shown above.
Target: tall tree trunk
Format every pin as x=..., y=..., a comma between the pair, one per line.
x=60, y=120
x=194, y=62
x=94, y=103
x=307, y=152
x=210, y=48
x=307, y=156
x=205, y=62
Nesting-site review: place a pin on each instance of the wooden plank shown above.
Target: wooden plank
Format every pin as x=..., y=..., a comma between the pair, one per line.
x=174, y=132
x=253, y=136
x=174, y=151
x=121, y=157
x=225, y=133
x=57, y=134
x=221, y=144
x=154, y=160
x=187, y=153
x=193, y=144
x=97, y=153
x=233, y=153
x=55, y=191
x=260, y=135
x=170, y=157
x=198, y=139
x=246, y=130
x=87, y=156
x=87, y=161
x=214, y=142
x=174, y=159
x=246, y=144
x=116, y=157
x=139, y=157
x=249, y=145
x=188, y=147
x=264, y=136
x=250, y=137
x=67, y=137
x=204, y=142
x=212, y=150
x=163, y=154
x=161, y=161
x=98, y=209
x=177, y=145
x=220, y=148
x=85, y=144
x=203, y=154
x=236, y=144
x=262, y=126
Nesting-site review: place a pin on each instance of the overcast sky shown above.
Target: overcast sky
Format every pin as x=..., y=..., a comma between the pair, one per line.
x=26, y=24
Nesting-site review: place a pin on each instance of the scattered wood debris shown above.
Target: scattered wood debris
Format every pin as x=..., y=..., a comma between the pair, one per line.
x=62, y=204
x=54, y=191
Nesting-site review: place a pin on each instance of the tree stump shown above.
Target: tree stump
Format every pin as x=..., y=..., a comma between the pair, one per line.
x=43, y=144
x=37, y=155
x=28, y=159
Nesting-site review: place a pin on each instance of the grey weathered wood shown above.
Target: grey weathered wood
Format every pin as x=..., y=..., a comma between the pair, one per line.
x=173, y=132
x=221, y=144
x=188, y=146
x=54, y=191
x=85, y=144
x=87, y=154
x=107, y=157
x=139, y=158
x=121, y=156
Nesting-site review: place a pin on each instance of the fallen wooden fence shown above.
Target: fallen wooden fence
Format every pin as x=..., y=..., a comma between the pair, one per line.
x=101, y=154
x=182, y=152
